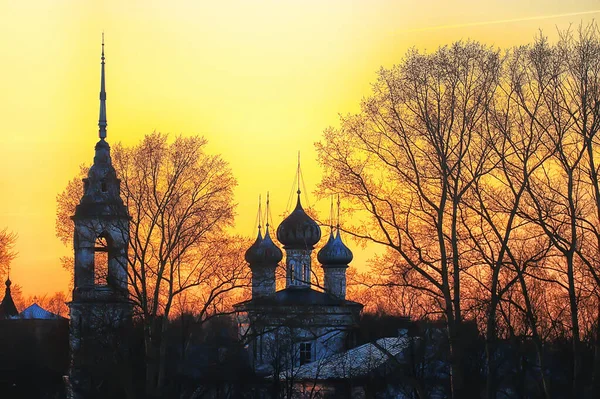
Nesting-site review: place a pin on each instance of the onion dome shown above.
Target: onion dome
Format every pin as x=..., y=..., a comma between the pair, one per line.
x=271, y=254
x=298, y=230
x=252, y=253
x=263, y=251
x=335, y=252
x=7, y=306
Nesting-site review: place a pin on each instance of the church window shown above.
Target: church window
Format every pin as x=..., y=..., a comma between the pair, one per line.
x=293, y=272
x=103, y=186
x=101, y=255
x=305, y=352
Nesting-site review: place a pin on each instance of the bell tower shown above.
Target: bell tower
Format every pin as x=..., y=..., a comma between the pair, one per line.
x=100, y=310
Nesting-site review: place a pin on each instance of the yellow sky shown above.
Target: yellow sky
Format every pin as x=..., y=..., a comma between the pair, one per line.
x=260, y=79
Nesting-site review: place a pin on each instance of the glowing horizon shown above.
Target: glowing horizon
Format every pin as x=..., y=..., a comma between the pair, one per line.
x=268, y=77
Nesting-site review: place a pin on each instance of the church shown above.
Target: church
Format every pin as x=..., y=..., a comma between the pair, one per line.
x=297, y=325
x=302, y=323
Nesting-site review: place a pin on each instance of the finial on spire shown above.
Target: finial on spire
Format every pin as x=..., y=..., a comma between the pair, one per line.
x=259, y=212
x=298, y=177
x=267, y=214
x=102, y=119
x=8, y=282
x=331, y=216
x=338, y=214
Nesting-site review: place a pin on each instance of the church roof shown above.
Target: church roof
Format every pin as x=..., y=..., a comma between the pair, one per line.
x=37, y=312
x=7, y=306
x=354, y=363
x=299, y=297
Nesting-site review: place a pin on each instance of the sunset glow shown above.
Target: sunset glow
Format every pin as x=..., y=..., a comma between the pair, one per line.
x=260, y=80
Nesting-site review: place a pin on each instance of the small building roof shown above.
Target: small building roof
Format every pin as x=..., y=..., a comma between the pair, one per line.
x=36, y=312
x=353, y=363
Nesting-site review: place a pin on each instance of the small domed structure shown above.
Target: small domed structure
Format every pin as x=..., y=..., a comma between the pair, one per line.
x=335, y=252
x=270, y=252
x=298, y=230
x=252, y=253
x=263, y=251
x=7, y=306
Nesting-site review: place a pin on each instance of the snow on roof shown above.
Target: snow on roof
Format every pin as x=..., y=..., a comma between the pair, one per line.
x=36, y=312
x=353, y=363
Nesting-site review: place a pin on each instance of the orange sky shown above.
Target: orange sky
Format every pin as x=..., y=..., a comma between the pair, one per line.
x=260, y=79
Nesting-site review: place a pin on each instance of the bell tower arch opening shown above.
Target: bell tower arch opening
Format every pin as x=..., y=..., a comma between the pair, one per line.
x=103, y=252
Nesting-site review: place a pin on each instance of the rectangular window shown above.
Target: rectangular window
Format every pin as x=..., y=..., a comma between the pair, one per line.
x=305, y=352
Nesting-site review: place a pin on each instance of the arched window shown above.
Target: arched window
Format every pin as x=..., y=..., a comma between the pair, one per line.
x=101, y=259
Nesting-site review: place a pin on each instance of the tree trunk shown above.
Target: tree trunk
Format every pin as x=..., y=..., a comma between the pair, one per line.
x=534, y=333
x=490, y=347
x=152, y=359
x=596, y=375
x=576, y=392
x=456, y=369
x=162, y=356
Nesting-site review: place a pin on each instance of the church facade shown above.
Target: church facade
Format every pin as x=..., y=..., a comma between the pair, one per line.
x=296, y=325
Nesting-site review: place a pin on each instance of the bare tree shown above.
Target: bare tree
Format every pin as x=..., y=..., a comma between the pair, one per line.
x=407, y=161
x=7, y=252
x=181, y=202
x=491, y=214
x=564, y=79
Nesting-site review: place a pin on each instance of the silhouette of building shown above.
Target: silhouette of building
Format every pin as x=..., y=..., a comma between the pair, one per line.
x=7, y=306
x=33, y=350
x=100, y=311
x=299, y=324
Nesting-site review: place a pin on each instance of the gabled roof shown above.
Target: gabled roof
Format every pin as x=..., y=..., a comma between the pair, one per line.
x=356, y=362
x=36, y=312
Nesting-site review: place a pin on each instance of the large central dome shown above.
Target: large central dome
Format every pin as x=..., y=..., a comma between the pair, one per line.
x=298, y=230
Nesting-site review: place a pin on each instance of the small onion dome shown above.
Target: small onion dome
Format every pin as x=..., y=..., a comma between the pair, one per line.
x=335, y=252
x=271, y=254
x=252, y=254
x=298, y=230
x=264, y=251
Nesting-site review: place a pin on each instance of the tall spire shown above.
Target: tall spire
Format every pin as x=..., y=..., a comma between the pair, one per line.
x=102, y=119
